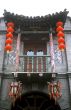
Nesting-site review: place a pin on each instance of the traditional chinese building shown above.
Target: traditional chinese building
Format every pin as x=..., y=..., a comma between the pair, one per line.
x=35, y=62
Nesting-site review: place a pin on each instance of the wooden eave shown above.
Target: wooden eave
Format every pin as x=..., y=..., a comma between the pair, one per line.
x=37, y=23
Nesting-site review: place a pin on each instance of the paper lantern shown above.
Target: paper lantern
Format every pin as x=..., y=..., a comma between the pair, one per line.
x=15, y=90
x=60, y=34
x=61, y=40
x=9, y=41
x=59, y=28
x=61, y=46
x=54, y=90
x=9, y=35
x=59, y=23
x=8, y=47
x=10, y=29
x=10, y=24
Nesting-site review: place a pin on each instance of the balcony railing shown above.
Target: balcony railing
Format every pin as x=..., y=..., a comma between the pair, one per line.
x=29, y=64
x=35, y=64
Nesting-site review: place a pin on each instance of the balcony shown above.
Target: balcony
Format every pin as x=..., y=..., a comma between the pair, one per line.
x=32, y=69
x=30, y=64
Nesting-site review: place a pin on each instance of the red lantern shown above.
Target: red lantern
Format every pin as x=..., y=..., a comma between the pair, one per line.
x=61, y=46
x=9, y=41
x=9, y=35
x=61, y=40
x=59, y=23
x=15, y=90
x=10, y=29
x=59, y=28
x=8, y=47
x=10, y=24
x=60, y=34
x=54, y=89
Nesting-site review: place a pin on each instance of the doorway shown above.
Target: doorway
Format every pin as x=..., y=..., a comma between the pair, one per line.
x=35, y=100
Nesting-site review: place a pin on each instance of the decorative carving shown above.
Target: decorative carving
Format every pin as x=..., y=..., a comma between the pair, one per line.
x=58, y=56
x=54, y=90
x=15, y=90
x=12, y=57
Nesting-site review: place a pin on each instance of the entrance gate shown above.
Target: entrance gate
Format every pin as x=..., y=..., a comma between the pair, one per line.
x=35, y=100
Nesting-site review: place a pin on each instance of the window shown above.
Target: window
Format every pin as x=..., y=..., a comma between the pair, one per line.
x=39, y=53
x=30, y=53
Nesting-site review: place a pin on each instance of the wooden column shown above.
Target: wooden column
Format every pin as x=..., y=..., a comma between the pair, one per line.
x=18, y=51
x=52, y=53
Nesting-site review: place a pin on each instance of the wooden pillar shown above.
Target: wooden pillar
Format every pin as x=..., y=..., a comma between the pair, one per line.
x=18, y=51
x=52, y=53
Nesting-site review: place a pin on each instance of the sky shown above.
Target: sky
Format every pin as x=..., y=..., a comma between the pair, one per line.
x=34, y=7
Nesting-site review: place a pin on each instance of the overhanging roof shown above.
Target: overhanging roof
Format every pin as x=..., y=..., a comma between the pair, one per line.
x=35, y=23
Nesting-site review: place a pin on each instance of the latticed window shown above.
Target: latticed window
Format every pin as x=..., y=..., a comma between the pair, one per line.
x=58, y=55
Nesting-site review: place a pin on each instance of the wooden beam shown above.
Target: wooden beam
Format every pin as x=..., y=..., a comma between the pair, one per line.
x=34, y=32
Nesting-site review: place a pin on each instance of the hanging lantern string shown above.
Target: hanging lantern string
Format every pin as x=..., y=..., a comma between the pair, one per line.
x=9, y=41
x=60, y=35
x=9, y=36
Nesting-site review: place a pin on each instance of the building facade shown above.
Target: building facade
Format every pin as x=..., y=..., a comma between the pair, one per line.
x=30, y=63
